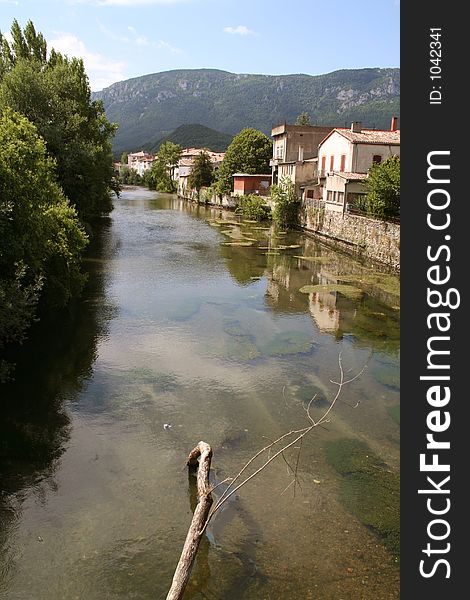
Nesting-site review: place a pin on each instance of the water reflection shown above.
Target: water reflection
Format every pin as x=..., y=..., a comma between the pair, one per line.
x=52, y=367
x=178, y=327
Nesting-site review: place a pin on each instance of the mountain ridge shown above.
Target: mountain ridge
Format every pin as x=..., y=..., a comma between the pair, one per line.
x=149, y=107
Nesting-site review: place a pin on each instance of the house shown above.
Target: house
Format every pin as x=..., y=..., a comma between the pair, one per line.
x=345, y=157
x=295, y=151
x=184, y=166
x=140, y=161
x=246, y=183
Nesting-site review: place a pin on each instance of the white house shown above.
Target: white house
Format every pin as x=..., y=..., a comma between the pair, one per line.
x=345, y=157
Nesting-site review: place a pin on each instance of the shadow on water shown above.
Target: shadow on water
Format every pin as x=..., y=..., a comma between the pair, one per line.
x=51, y=367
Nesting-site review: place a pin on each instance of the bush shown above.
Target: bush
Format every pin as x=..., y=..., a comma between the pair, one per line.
x=253, y=207
x=287, y=205
x=383, y=186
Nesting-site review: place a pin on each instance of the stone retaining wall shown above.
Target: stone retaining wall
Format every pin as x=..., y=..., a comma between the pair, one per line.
x=375, y=239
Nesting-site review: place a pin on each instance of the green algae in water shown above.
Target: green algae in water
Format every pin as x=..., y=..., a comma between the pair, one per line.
x=384, y=282
x=367, y=490
x=241, y=348
x=348, y=291
x=287, y=342
x=237, y=243
x=389, y=376
x=394, y=412
x=320, y=259
x=184, y=311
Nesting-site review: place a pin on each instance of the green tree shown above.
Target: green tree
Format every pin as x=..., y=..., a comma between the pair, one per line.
x=54, y=94
x=383, y=189
x=41, y=240
x=303, y=119
x=202, y=172
x=249, y=152
x=123, y=159
x=253, y=207
x=160, y=176
x=286, y=203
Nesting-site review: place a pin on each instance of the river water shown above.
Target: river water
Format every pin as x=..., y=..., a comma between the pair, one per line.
x=181, y=337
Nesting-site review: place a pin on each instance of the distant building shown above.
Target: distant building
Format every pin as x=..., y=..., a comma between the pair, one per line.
x=246, y=183
x=140, y=161
x=295, y=149
x=345, y=157
x=185, y=164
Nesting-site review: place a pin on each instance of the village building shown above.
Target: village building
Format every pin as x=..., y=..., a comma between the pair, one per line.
x=345, y=157
x=246, y=183
x=185, y=164
x=295, y=152
x=140, y=162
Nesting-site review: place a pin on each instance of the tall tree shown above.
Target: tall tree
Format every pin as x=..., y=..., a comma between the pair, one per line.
x=303, y=119
x=41, y=240
x=54, y=94
x=202, y=172
x=160, y=176
x=249, y=152
x=383, y=185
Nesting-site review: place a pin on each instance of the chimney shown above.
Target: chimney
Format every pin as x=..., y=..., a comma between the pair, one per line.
x=356, y=127
x=394, y=125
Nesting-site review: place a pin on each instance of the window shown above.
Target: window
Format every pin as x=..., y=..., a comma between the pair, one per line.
x=343, y=163
x=332, y=162
x=309, y=193
x=279, y=150
x=323, y=164
x=376, y=159
x=329, y=196
x=301, y=153
x=340, y=197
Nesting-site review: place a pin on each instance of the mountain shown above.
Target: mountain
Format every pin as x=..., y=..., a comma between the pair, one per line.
x=195, y=136
x=150, y=107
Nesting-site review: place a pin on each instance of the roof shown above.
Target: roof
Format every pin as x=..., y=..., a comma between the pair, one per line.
x=196, y=151
x=252, y=175
x=368, y=136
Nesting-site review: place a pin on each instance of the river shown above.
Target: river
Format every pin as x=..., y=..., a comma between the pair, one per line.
x=184, y=335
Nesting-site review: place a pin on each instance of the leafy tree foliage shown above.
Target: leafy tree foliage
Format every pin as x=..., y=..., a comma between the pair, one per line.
x=249, y=152
x=160, y=176
x=41, y=239
x=202, y=172
x=383, y=185
x=253, y=207
x=303, y=119
x=54, y=94
x=287, y=204
x=128, y=176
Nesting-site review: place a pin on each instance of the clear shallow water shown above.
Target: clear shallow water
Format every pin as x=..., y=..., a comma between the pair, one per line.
x=217, y=341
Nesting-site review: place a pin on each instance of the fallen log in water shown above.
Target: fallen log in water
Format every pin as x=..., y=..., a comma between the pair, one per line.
x=200, y=459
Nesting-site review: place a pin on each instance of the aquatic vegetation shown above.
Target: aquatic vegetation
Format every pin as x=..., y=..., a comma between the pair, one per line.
x=348, y=291
x=319, y=259
x=236, y=243
x=184, y=311
x=389, y=284
x=287, y=342
x=394, y=412
x=388, y=376
x=367, y=489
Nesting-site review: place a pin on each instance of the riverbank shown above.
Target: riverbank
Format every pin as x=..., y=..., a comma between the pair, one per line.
x=362, y=236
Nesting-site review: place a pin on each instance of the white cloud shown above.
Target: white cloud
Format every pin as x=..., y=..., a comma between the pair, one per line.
x=137, y=39
x=239, y=30
x=101, y=71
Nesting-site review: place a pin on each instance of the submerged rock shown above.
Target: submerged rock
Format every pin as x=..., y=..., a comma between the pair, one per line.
x=367, y=489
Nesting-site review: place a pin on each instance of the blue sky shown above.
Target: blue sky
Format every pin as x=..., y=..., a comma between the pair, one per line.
x=120, y=39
